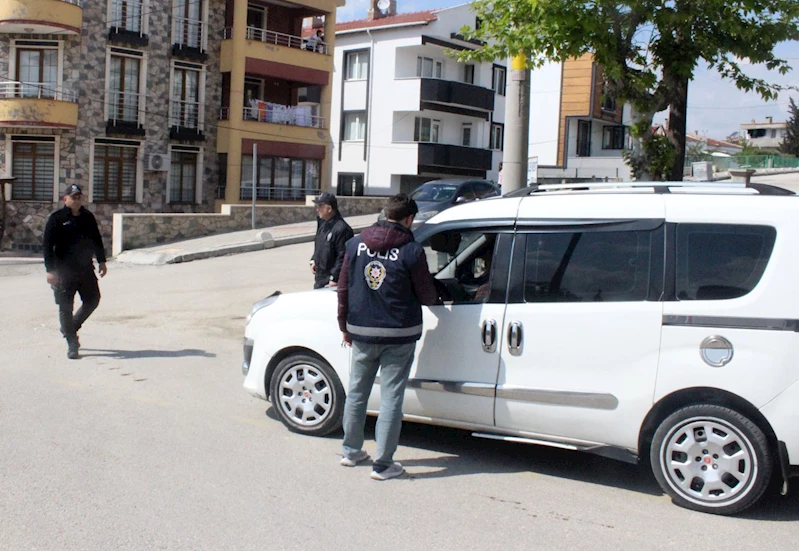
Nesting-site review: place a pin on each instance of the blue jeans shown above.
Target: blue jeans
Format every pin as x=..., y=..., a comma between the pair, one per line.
x=394, y=361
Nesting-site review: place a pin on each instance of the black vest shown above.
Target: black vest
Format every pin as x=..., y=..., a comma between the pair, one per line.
x=382, y=305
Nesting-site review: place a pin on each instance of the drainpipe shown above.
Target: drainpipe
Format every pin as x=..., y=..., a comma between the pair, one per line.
x=369, y=97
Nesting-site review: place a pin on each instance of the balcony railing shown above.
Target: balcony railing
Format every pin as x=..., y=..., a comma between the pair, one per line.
x=126, y=16
x=281, y=39
x=188, y=32
x=78, y=3
x=185, y=114
x=283, y=114
x=123, y=106
x=36, y=90
x=274, y=193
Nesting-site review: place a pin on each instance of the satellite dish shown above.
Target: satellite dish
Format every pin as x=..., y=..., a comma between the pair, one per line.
x=383, y=4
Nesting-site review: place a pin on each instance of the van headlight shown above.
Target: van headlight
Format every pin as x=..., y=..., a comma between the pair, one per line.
x=262, y=304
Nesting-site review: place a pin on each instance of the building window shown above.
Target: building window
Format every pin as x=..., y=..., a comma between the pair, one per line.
x=33, y=167
x=468, y=74
x=583, y=138
x=608, y=101
x=497, y=137
x=185, y=103
x=354, y=126
x=187, y=23
x=426, y=130
x=356, y=65
x=350, y=184
x=498, y=80
x=127, y=15
x=773, y=133
x=37, y=69
x=280, y=178
x=466, y=134
x=429, y=68
x=757, y=132
x=613, y=137
x=183, y=177
x=124, y=84
x=256, y=18
x=115, y=173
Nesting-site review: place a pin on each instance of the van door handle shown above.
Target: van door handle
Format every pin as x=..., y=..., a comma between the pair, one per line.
x=489, y=336
x=515, y=338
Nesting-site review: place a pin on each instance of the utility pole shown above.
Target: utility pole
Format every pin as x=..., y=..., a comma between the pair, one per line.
x=517, y=126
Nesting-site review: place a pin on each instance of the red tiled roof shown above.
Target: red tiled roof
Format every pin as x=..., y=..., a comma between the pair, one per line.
x=392, y=20
x=711, y=142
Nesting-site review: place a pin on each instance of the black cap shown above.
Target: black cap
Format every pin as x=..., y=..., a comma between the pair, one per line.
x=73, y=189
x=326, y=199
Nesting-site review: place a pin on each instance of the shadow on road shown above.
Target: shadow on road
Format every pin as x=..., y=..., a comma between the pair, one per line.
x=462, y=454
x=137, y=354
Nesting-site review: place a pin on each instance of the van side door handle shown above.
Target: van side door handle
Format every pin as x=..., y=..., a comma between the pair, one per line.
x=489, y=334
x=515, y=338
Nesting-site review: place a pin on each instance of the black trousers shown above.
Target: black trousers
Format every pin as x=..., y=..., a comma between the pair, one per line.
x=86, y=286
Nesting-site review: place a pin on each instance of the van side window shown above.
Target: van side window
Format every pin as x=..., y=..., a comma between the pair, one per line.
x=587, y=267
x=721, y=261
x=461, y=260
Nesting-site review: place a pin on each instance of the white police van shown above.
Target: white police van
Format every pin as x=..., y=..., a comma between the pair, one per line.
x=636, y=321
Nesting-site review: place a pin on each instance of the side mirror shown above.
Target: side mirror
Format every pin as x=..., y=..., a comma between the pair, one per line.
x=460, y=199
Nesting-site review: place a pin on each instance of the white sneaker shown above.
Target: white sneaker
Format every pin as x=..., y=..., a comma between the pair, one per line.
x=392, y=471
x=358, y=457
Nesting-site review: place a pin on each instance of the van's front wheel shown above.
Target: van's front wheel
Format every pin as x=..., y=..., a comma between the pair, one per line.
x=711, y=459
x=307, y=395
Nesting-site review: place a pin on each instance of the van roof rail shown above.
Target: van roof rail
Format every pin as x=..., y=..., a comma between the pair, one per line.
x=737, y=188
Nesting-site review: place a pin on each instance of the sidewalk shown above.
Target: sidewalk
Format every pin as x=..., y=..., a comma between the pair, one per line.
x=233, y=243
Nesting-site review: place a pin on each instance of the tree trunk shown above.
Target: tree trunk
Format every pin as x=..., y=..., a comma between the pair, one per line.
x=641, y=133
x=678, y=108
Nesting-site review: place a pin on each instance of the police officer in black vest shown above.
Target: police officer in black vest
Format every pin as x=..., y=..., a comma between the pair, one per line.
x=71, y=241
x=332, y=233
x=384, y=283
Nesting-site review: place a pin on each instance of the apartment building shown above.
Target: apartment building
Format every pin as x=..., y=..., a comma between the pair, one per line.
x=576, y=131
x=404, y=111
x=276, y=95
x=155, y=106
x=112, y=95
x=767, y=134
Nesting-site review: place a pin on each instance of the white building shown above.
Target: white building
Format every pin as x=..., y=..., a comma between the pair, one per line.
x=576, y=132
x=404, y=111
x=767, y=134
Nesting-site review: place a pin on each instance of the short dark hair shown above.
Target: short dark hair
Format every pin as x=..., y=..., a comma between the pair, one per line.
x=400, y=206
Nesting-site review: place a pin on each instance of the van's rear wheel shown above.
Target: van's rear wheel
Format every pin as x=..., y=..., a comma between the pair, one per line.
x=711, y=459
x=307, y=395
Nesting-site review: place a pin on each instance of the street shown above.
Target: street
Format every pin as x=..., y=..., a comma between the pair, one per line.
x=149, y=442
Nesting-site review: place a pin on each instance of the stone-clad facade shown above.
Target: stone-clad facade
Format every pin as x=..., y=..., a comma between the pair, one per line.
x=84, y=70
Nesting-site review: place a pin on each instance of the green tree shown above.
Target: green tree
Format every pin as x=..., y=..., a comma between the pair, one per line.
x=790, y=144
x=696, y=152
x=648, y=49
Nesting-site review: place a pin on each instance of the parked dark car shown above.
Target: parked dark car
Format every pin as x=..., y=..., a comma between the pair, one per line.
x=437, y=195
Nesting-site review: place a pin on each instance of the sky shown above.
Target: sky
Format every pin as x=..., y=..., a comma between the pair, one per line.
x=716, y=108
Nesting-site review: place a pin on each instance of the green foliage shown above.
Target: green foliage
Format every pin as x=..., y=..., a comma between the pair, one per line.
x=695, y=152
x=790, y=144
x=656, y=162
x=645, y=47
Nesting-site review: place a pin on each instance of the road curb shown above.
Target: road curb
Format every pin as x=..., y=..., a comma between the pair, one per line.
x=264, y=240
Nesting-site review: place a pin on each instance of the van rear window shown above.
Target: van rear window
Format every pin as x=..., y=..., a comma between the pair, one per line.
x=721, y=261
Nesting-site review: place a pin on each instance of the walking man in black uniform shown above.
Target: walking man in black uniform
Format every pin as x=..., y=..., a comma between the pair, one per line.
x=332, y=234
x=71, y=241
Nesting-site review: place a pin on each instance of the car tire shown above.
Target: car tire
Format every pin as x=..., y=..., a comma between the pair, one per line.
x=307, y=395
x=711, y=459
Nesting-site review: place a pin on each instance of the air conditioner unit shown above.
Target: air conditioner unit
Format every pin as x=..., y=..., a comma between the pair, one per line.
x=156, y=162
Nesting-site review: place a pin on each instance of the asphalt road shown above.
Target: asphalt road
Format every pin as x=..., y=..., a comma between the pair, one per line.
x=149, y=442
